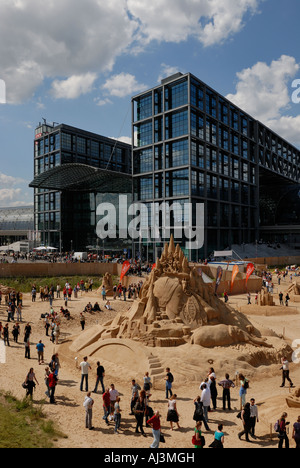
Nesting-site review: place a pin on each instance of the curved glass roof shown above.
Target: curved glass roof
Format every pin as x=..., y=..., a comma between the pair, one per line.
x=17, y=219
x=83, y=178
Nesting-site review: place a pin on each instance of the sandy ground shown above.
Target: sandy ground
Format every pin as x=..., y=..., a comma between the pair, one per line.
x=69, y=412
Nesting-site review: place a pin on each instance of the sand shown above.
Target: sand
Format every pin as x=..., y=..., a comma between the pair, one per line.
x=69, y=413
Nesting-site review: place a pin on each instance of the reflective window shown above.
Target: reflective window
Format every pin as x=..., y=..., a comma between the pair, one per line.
x=177, y=154
x=177, y=183
x=176, y=125
x=176, y=95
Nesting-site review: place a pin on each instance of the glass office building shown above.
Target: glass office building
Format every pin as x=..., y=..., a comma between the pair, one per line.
x=74, y=172
x=191, y=145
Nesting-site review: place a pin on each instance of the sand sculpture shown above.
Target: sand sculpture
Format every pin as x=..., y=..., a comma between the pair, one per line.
x=176, y=307
x=293, y=401
x=265, y=299
x=294, y=289
x=107, y=282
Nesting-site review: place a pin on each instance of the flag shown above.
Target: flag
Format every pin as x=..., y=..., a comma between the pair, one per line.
x=235, y=271
x=219, y=277
x=249, y=271
x=125, y=268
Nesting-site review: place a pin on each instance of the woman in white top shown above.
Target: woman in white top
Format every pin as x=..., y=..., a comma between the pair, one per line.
x=173, y=416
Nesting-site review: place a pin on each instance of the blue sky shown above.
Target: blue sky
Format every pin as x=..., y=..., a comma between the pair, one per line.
x=79, y=63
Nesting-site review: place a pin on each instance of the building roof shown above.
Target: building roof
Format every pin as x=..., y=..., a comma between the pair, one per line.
x=82, y=178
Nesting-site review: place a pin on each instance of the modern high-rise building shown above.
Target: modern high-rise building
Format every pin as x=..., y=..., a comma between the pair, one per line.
x=190, y=144
x=191, y=147
x=74, y=172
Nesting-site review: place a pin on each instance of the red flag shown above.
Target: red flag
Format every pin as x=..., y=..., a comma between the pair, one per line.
x=249, y=271
x=125, y=268
x=235, y=271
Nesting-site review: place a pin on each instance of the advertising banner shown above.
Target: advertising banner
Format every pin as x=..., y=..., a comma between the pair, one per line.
x=125, y=268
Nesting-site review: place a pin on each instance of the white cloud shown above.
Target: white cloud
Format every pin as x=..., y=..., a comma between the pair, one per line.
x=210, y=21
x=264, y=91
x=66, y=39
x=167, y=70
x=73, y=87
x=59, y=39
x=8, y=181
x=7, y=196
x=14, y=191
x=123, y=85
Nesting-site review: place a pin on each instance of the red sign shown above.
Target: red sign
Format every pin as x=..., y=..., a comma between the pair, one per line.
x=125, y=268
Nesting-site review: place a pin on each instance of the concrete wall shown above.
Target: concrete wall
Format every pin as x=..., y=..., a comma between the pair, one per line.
x=13, y=270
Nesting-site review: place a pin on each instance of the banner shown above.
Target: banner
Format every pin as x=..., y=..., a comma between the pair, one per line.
x=219, y=277
x=249, y=271
x=125, y=268
x=235, y=271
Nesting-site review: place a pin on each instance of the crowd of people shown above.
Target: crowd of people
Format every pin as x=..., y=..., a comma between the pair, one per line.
x=141, y=396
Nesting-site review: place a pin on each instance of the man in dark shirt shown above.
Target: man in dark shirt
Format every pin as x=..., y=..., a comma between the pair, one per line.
x=100, y=377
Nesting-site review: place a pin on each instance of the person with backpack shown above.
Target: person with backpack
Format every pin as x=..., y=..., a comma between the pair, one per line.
x=246, y=419
x=169, y=382
x=280, y=428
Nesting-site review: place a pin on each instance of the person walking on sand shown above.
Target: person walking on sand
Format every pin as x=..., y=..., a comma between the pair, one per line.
x=245, y=417
x=117, y=415
x=283, y=437
x=100, y=377
x=139, y=412
x=154, y=422
x=243, y=390
x=173, y=416
x=6, y=335
x=198, y=435
x=296, y=433
x=40, y=350
x=253, y=417
x=286, y=372
x=106, y=405
x=52, y=381
x=30, y=382
x=169, y=382
x=85, y=367
x=88, y=406
x=205, y=399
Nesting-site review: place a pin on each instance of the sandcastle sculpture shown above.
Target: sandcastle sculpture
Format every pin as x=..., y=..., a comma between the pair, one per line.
x=176, y=307
x=107, y=282
x=265, y=299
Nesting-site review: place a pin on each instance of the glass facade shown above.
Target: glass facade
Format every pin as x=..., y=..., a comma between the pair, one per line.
x=68, y=220
x=212, y=152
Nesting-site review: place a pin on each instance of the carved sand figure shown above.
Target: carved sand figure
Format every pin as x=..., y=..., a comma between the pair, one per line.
x=176, y=307
x=108, y=284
